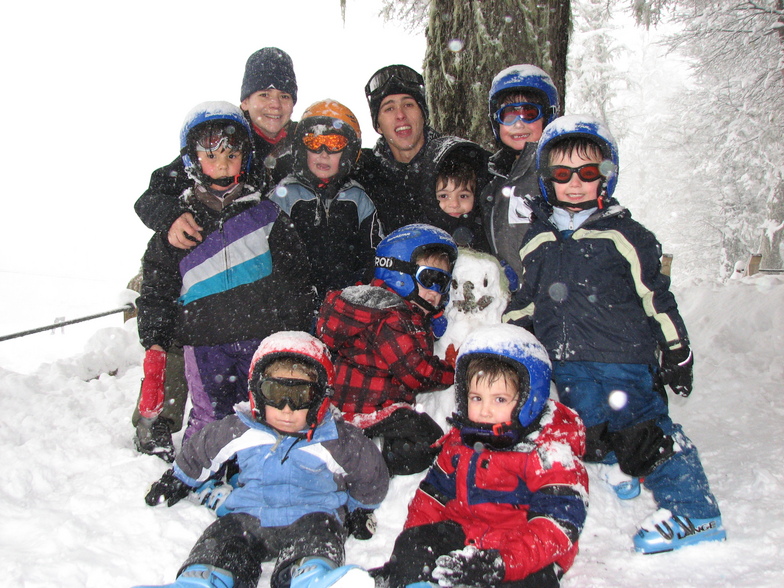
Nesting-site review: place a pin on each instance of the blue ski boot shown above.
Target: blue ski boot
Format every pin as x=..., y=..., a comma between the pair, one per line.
x=660, y=534
x=199, y=576
x=318, y=572
x=624, y=486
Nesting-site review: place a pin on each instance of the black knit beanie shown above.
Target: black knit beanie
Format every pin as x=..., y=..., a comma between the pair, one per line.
x=269, y=67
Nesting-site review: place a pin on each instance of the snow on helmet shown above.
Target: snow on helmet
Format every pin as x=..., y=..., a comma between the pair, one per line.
x=395, y=79
x=397, y=252
x=328, y=117
x=218, y=119
x=586, y=127
x=523, y=79
x=523, y=352
x=297, y=345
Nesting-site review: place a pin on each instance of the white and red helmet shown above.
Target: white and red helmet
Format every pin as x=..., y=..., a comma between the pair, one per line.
x=297, y=345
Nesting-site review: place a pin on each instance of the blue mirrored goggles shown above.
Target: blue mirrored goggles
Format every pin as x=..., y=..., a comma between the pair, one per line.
x=527, y=112
x=433, y=278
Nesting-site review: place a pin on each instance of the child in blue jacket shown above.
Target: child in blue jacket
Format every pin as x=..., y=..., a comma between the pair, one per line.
x=303, y=473
x=593, y=292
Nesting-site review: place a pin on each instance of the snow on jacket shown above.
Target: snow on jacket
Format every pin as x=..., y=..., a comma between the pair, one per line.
x=160, y=204
x=284, y=477
x=467, y=230
x=599, y=294
x=247, y=279
x=340, y=232
x=504, y=201
x=529, y=503
x=399, y=190
x=382, y=348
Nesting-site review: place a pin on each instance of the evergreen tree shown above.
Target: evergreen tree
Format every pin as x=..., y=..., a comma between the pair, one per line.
x=737, y=112
x=470, y=41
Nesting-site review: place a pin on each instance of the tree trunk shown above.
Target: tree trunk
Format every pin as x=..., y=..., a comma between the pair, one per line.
x=470, y=41
x=770, y=243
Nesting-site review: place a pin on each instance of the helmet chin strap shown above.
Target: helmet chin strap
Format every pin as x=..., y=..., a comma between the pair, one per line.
x=579, y=205
x=224, y=182
x=597, y=203
x=417, y=299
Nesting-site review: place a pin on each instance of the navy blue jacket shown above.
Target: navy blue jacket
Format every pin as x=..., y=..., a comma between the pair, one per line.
x=597, y=294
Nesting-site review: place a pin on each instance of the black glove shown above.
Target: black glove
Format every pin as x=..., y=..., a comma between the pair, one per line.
x=361, y=523
x=469, y=567
x=677, y=366
x=168, y=488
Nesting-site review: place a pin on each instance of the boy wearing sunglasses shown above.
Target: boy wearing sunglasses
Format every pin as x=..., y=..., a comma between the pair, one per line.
x=304, y=473
x=594, y=294
x=382, y=341
x=333, y=214
x=522, y=101
x=248, y=278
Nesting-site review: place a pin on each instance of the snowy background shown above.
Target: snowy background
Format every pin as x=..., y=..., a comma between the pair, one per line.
x=105, y=86
x=71, y=498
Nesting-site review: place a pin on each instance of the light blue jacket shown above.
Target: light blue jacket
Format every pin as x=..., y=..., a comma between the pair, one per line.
x=284, y=477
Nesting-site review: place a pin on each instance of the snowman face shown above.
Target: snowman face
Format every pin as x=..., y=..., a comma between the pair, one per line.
x=478, y=288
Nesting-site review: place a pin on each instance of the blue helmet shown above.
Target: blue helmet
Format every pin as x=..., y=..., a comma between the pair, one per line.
x=523, y=78
x=396, y=254
x=227, y=120
x=578, y=126
x=518, y=348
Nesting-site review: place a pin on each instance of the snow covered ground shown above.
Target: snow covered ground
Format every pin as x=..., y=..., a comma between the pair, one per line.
x=71, y=496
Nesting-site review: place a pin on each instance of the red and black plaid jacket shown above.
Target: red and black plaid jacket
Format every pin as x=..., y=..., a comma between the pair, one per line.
x=382, y=348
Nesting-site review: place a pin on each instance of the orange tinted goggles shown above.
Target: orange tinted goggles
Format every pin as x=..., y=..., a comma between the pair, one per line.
x=332, y=143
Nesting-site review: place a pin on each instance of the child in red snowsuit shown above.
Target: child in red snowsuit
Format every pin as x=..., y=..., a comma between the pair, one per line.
x=505, y=502
x=382, y=344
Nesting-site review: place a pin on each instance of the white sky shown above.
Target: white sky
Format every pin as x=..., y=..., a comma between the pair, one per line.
x=95, y=92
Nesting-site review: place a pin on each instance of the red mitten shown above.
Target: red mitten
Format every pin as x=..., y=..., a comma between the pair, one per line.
x=151, y=401
x=450, y=356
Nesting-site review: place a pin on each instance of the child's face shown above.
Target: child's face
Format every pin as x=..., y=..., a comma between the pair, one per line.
x=269, y=110
x=426, y=294
x=284, y=419
x=454, y=200
x=575, y=190
x=491, y=402
x=517, y=135
x=222, y=163
x=324, y=164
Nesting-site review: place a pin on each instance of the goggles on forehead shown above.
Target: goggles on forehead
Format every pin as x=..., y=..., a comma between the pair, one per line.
x=561, y=174
x=404, y=74
x=332, y=143
x=527, y=112
x=278, y=392
x=215, y=139
x=433, y=278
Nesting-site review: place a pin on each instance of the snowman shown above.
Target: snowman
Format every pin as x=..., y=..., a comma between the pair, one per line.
x=478, y=297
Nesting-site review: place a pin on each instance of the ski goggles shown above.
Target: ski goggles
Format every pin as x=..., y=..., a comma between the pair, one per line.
x=278, y=392
x=401, y=73
x=561, y=174
x=433, y=278
x=332, y=143
x=215, y=139
x=509, y=114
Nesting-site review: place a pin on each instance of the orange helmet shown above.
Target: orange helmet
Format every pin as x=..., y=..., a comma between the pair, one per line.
x=328, y=117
